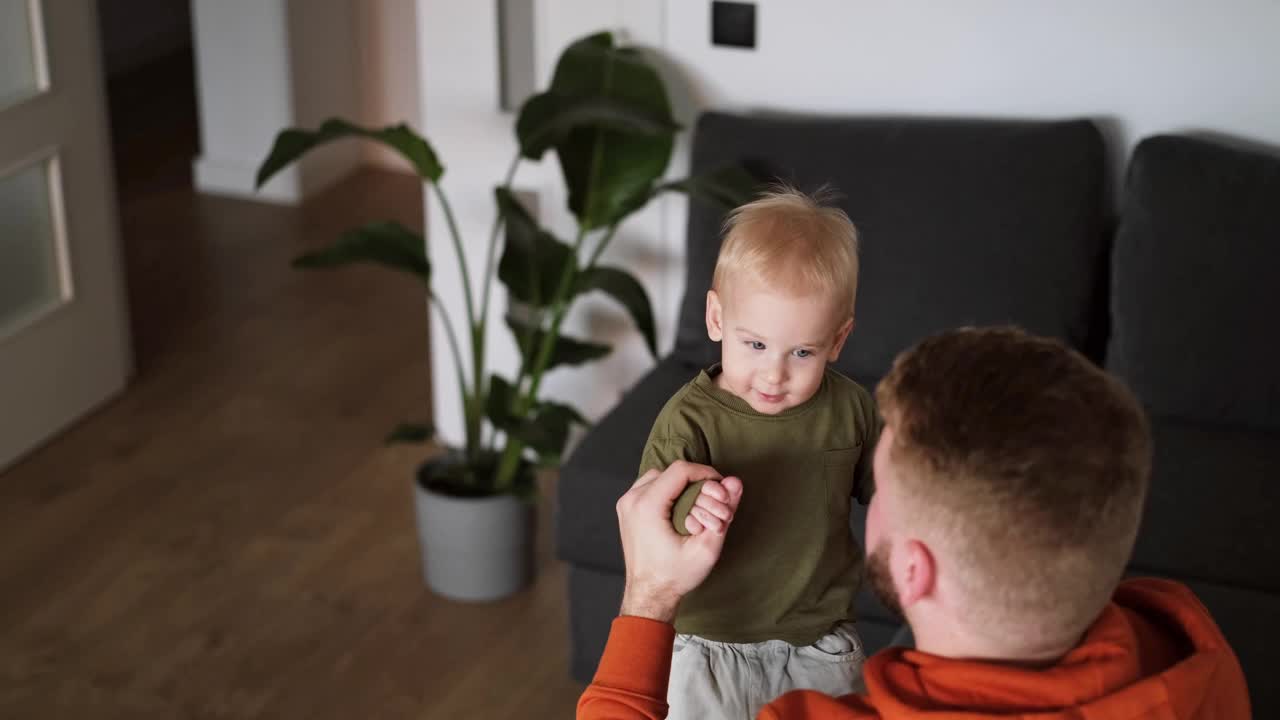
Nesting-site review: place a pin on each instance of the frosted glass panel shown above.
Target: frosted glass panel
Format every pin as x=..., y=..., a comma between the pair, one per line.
x=20, y=75
x=30, y=281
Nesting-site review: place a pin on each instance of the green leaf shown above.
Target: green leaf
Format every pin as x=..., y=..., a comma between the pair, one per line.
x=410, y=433
x=293, y=143
x=728, y=186
x=623, y=287
x=499, y=403
x=546, y=119
x=532, y=258
x=568, y=351
x=609, y=156
x=384, y=243
x=560, y=410
x=547, y=431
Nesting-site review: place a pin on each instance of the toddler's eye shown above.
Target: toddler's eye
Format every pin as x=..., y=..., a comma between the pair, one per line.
x=755, y=344
x=802, y=353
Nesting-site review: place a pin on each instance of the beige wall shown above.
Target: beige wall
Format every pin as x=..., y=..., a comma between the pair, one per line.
x=387, y=39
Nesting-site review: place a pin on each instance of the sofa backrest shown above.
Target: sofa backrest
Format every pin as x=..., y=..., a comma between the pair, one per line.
x=1195, y=296
x=961, y=221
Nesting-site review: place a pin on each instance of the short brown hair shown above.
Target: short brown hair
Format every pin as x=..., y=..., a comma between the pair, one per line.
x=794, y=241
x=1032, y=463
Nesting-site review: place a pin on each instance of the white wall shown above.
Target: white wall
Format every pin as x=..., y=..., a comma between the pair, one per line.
x=1153, y=65
x=243, y=86
x=262, y=66
x=1140, y=67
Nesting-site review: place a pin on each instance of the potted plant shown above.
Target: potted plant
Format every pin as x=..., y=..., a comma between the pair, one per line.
x=608, y=119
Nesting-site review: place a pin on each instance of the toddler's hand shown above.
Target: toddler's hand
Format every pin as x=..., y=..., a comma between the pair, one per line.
x=711, y=510
x=663, y=566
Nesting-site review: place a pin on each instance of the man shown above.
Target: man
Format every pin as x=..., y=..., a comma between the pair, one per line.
x=1010, y=479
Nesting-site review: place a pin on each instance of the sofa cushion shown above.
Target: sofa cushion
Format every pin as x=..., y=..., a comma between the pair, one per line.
x=1212, y=506
x=604, y=465
x=961, y=222
x=1195, y=284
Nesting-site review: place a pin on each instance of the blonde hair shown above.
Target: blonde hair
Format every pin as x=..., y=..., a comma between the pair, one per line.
x=1030, y=465
x=793, y=242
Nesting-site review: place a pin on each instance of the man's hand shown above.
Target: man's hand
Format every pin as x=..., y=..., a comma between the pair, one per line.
x=663, y=566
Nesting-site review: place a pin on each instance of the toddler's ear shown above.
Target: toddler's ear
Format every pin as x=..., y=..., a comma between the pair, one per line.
x=715, y=317
x=841, y=335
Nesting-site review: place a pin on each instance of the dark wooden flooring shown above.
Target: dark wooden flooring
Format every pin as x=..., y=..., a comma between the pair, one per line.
x=229, y=539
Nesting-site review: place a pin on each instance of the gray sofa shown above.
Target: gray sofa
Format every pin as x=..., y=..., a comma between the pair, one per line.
x=983, y=222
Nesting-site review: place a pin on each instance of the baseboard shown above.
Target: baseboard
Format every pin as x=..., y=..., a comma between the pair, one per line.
x=221, y=177
x=290, y=186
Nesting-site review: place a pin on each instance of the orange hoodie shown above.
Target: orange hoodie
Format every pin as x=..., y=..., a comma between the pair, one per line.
x=1153, y=653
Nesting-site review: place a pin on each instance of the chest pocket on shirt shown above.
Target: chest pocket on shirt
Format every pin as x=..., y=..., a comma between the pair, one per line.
x=838, y=468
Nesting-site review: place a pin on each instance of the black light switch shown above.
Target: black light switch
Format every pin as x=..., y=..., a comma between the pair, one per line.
x=733, y=24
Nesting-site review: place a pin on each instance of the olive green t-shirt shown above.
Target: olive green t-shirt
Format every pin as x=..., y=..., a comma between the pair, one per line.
x=790, y=566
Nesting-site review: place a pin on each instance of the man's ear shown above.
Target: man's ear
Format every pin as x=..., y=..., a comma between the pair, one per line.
x=715, y=317
x=917, y=573
x=841, y=335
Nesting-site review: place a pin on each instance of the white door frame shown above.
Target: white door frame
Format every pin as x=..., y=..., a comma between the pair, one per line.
x=60, y=363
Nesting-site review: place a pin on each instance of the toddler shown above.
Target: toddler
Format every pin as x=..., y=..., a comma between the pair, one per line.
x=775, y=614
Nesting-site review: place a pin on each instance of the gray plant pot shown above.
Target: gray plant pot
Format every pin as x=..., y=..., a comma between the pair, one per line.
x=475, y=549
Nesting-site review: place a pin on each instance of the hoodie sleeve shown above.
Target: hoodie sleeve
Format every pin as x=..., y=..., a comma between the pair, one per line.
x=631, y=681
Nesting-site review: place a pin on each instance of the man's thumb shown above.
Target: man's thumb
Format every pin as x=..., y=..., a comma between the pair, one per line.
x=679, y=474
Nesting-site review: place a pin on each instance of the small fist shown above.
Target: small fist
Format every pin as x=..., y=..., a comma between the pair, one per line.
x=711, y=511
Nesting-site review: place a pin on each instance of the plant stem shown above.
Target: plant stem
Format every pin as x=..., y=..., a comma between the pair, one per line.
x=559, y=307
x=493, y=243
x=467, y=400
x=480, y=336
x=599, y=249
x=470, y=400
x=511, y=454
x=457, y=248
x=526, y=357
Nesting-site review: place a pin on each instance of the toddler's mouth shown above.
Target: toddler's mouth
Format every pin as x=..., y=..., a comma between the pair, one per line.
x=771, y=398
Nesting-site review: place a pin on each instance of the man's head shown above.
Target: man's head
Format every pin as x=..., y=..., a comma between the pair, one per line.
x=782, y=297
x=1010, y=480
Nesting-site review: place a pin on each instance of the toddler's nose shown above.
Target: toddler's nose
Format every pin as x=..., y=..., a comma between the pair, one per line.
x=776, y=374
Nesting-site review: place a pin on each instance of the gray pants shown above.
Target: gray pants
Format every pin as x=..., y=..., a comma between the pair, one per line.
x=732, y=681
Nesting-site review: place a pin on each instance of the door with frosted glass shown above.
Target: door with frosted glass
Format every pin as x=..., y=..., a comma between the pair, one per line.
x=64, y=346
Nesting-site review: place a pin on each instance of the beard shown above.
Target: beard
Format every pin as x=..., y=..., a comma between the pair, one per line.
x=881, y=580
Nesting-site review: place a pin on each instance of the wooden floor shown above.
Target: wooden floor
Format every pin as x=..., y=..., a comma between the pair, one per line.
x=229, y=539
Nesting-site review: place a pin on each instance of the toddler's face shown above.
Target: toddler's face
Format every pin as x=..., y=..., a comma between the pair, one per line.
x=774, y=345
